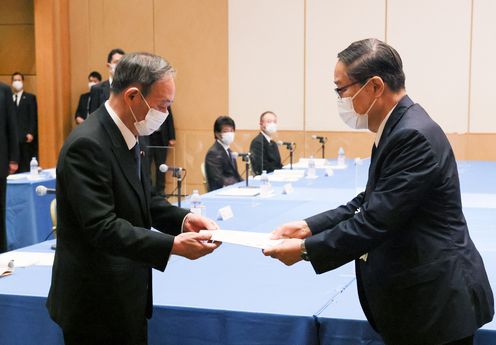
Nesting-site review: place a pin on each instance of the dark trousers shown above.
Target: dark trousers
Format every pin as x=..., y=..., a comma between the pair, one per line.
x=464, y=341
x=26, y=152
x=3, y=227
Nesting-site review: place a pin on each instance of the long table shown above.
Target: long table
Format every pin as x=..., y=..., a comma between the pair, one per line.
x=238, y=296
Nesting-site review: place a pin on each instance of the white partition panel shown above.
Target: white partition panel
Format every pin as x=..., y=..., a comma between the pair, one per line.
x=266, y=61
x=433, y=39
x=331, y=27
x=482, y=109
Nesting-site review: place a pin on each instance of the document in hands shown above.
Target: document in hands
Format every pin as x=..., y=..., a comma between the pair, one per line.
x=244, y=238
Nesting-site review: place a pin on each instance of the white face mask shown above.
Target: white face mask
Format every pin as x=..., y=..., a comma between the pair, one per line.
x=227, y=138
x=152, y=121
x=17, y=85
x=271, y=128
x=348, y=114
x=90, y=84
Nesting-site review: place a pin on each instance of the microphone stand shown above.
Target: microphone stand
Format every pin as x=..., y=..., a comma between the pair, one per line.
x=323, y=141
x=177, y=174
x=246, y=159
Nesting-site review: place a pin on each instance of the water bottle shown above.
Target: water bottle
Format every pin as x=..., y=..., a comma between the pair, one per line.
x=264, y=184
x=311, y=168
x=33, y=167
x=196, y=204
x=341, y=157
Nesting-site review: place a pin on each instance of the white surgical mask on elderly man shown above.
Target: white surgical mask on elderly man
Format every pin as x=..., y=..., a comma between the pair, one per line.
x=227, y=138
x=271, y=128
x=350, y=116
x=152, y=121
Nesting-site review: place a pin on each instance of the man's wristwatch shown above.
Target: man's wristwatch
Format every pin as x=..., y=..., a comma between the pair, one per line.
x=304, y=253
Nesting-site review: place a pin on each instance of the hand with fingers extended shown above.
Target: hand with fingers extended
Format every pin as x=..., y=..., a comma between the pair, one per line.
x=288, y=252
x=298, y=229
x=195, y=223
x=193, y=245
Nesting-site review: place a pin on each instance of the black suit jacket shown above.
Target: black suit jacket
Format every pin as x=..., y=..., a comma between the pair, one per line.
x=99, y=93
x=424, y=281
x=83, y=107
x=27, y=116
x=220, y=169
x=264, y=155
x=101, y=280
x=9, y=143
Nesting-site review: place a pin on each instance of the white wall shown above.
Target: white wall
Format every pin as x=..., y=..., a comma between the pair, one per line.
x=282, y=55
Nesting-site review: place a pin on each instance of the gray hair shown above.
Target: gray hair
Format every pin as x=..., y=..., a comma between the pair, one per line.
x=372, y=57
x=143, y=69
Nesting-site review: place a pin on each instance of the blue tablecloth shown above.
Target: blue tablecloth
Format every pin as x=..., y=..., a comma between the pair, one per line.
x=238, y=296
x=27, y=214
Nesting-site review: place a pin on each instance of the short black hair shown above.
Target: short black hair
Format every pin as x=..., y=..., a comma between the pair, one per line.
x=371, y=57
x=222, y=121
x=140, y=69
x=17, y=73
x=113, y=52
x=265, y=113
x=96, y=75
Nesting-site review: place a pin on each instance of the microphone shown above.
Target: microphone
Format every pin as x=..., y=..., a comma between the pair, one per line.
x=42, y=190
x=164, y=168
x=320, y=138
x=288, y=144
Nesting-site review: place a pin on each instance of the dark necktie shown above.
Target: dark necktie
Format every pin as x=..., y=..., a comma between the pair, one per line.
x=15, y=99
x=233, y=160
x=137, y=159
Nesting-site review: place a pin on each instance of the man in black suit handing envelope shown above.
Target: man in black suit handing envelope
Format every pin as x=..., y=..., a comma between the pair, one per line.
x=420, y=278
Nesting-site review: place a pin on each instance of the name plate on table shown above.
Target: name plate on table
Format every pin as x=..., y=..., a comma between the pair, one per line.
x=225, y=213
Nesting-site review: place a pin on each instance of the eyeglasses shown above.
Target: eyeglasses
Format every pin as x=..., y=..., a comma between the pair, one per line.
x=340, y=90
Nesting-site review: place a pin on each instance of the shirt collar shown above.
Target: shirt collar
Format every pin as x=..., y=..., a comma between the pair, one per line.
x=110, y=80
x=128, y=136
x=266, y=136
x=19, y=94
x=381, y=127
x=223, y=145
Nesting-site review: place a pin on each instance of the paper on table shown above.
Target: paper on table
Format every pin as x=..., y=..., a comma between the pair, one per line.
x=25, y=259
x=244, y=238
x=239, y=192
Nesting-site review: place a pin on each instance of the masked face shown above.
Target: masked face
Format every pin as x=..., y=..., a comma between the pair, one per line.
x=349, y=115
x=227, y=138
x=90, y=84
x=271, y=128
x=152, y=121
x=17, y=85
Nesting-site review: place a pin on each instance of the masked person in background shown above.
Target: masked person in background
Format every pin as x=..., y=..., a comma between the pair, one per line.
x=420, y=278
x=83, y=109
x=264, y=151
x=221, y=167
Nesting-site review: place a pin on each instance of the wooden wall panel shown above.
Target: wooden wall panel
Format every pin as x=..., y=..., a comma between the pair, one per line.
x=17, y=49
x=17, y=12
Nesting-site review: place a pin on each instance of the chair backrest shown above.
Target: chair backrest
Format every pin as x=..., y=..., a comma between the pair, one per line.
x=204, y=174
x=53, y=216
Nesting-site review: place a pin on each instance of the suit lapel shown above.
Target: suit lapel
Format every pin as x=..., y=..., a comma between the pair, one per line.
x=124, y=158
x=393, y=120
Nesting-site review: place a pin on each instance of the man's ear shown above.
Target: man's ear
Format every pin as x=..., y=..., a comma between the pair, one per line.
x=131, y=93
x=378, y=85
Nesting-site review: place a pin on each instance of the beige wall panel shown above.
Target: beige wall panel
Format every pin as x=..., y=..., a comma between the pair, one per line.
x=266, y=61
x=192, y=35
x=17, y=49
x=433, y=39
x=331, y=27
x=16, y=12
x=482, y=116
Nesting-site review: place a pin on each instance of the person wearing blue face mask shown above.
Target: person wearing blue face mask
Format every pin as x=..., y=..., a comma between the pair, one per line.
x=101, y=291
x=420, y=278
x=221, y=168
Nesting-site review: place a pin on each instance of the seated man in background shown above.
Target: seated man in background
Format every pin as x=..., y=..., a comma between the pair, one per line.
x=83, y=108
x=264, y=151
x=220, y=165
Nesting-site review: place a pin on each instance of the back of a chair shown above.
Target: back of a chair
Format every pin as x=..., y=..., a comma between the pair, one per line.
x=53, y=216
x=204, y=174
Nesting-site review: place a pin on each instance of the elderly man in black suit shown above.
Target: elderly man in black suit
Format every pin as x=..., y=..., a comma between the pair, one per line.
x=9, y=152
x=101, y=92
x=101, y=291
x=420, y=278
x=26, y=109
x=264, y=151
x=220, y=164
